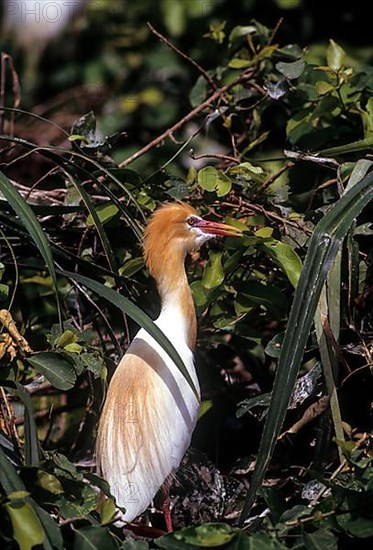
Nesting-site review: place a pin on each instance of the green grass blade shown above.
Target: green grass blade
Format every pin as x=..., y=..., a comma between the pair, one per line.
x=32, y=448
x=137, y=315
x=323, y=315
x=30, y=222
x=96, y=220
x=32, y=451
x=327, y=320
x=323, y=247
x=355, y=146
x=9, y=478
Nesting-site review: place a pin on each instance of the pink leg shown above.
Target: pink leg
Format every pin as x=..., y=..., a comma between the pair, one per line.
x=166, y=510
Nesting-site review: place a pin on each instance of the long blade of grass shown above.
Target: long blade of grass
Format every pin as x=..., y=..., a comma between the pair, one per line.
x=9, y=478
x=137, y=315
x=325, y=332
x=96, y=220
x=31, y=223
x=32, y=449
x=323, y=247
x=353, y=147
x=327, y=320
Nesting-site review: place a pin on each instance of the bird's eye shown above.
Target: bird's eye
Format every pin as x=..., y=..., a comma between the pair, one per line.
x=192, y=220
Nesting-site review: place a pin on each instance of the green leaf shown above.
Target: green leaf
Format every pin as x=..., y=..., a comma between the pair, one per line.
x=273, y=348
x=27, y=528
x=264, y=232
x=335, y=56
x=66, y=338
x=245, y=406
x=79, y=503
x=104, y=213
x=179, y=189
x=211, y=179
x=320, y=540
x=209, y=535
x=261, y=541
x=107, y=510
x=199, y=91
x=73, y=348
x=213, y=274
x=94, y=538
x=93, y=362
x=286, y=257
x=53, y=533
x=322, y=249
x=253, y=293
x=4, y=291
x=137, y=315
x=244, y=169
x=49, y=482
x=200, y=293
x=131, y=267
x=132, y=544
x=55, y=367
x=240, y=32
x=238, y=63
x=358, y=526
x=291, y=70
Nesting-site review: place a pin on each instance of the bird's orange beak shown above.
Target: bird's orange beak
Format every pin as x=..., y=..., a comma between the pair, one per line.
x=215, y=228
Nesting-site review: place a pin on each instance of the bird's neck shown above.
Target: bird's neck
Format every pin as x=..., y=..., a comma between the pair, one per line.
x=176, y=298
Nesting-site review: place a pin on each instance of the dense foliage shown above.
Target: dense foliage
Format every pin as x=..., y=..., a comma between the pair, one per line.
x=274, y=137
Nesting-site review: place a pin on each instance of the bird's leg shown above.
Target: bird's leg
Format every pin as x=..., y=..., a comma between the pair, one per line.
x=164, y=494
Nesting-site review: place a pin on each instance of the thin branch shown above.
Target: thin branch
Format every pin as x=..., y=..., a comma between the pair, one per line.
x=299, y=155
x=239, y=204
x=180, y=123
x=275, y=30
x=274, y=177
x=214, y=156
x=165, y=40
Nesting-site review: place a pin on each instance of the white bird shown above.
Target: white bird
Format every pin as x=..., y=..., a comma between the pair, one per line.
x=35, y=22
x=150, y=410
x=32, y=25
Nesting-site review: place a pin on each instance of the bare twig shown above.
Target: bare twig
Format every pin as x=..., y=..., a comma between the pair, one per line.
x=165, y=40
x=274, y=177
x=16, y=89
x=180, y=123
x=300, y=155
x=9, y=419
x=214, y=156
x=310, y=413
x=275, y=30
x=7, y=321
x=240, y=205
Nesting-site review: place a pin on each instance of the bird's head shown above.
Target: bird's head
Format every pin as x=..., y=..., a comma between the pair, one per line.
x=176, y=229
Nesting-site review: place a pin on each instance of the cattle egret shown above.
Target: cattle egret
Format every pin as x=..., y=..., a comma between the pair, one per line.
x=150, y=411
